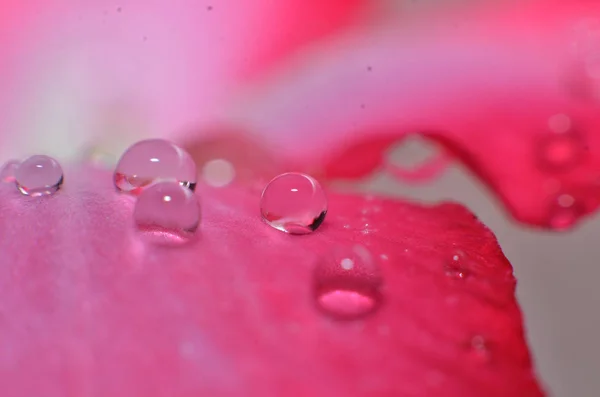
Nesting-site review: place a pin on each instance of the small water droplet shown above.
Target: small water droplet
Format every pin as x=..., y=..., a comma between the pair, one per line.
x=560, y=151
x=294, y=203
x=455, y=267
x=348, y=283
x=167, y=213
x=456, y=272
x=154, y=160
x=480, y=347
x=565, y=212
x=8, y=170
x=39, y=175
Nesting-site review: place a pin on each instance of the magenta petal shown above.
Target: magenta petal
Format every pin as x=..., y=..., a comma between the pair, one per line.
x=90, y=307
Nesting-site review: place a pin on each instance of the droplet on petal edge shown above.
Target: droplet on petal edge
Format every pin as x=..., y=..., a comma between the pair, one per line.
x=154, y=160
x=39, y=175
x=565, y=212
x=294, y=203
x=348, y=283
x=167, y=213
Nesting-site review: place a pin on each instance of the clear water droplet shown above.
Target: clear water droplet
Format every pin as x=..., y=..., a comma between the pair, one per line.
x=8, y=170
x=348, y=283
x=167, y=213
x=294, y=203
x=560, y=151
x=151, y=161
x=39, y=175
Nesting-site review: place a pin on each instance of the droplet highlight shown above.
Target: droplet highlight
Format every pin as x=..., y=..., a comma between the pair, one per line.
x=167, y=213
x=348, y=283
x=294, y=203
x=38, y=175
x=154, y=160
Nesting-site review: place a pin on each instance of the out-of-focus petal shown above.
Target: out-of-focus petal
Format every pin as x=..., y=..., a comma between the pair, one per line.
x=513, y=91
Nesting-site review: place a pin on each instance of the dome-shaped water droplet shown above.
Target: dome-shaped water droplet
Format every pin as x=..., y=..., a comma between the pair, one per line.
x=294, y=203
x=167, y=212
x=38, y=176
x=154, y=160
x=348, y=283
x=8, y=170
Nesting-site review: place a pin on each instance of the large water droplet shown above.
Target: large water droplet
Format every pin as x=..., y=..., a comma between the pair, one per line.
x=294, y=203
x=348, y=283
x=154, y=160
x=167, y=213
x=38, y=176
x=8, y=170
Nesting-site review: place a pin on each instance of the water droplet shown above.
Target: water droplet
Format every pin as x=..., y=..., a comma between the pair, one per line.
x=456, y=271
x=455, y=267
x=565, y=211
x=167, y=213
x=8, y=170
x=560, y=151
x=39, y=176
x=348, y=283
x=480, y=347
x=154, y=160
x=294, y=203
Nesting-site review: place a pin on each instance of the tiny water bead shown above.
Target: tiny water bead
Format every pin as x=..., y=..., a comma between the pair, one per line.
x=294, y=203
x=348, y=283
x=480, y=348
x=38, y=175
x=151, y=161
x=455, y=267
x=167, y=212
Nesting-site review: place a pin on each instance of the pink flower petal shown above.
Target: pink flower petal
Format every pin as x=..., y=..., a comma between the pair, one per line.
x=89, y=307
